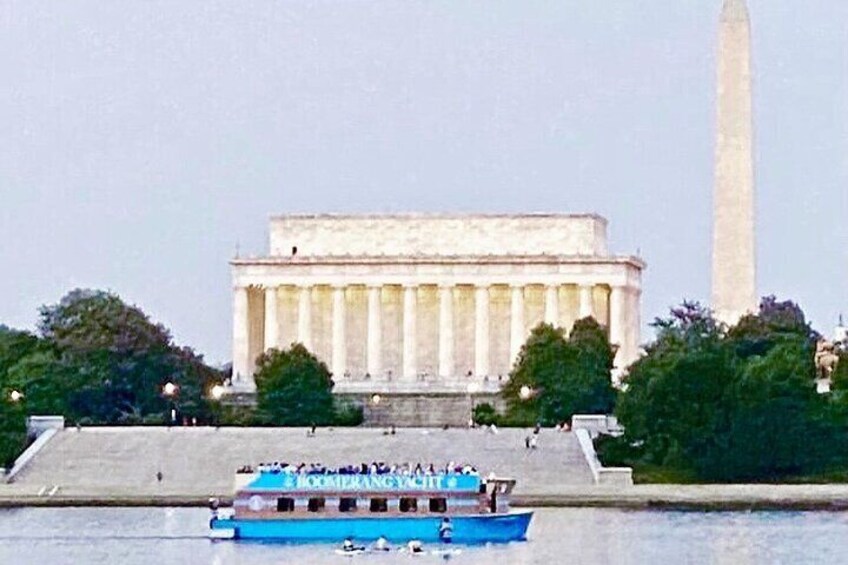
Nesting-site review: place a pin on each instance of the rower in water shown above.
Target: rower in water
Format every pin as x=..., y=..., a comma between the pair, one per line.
x=382, y=544
x=349, y=547
x=414, y=546
x=446, y=530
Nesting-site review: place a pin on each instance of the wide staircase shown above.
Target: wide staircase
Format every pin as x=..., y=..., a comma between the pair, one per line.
x=195, y=461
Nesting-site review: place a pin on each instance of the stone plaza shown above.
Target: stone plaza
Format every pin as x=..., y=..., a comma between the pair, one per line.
x=200, y=461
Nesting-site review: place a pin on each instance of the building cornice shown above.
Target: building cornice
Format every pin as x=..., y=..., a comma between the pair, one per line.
x=439, y=216
x=294, y=261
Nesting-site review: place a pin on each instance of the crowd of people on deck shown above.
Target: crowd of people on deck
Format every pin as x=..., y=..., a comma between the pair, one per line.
x=373, y=468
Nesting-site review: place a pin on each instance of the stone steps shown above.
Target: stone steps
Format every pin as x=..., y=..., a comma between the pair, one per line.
x=201, y=461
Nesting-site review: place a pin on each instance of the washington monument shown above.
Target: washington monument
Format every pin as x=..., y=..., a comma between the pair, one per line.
x=734, y=263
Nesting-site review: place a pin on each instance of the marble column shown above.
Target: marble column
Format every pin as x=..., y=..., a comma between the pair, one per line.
x=339, y=340
x=446, y=345
x=481, y=331
x=375, y=341
x=516, y=324
x=634, y=324
x=410, y=332
x=618, y=323
x=304, y=316
x=241, y=335
x=552, y=305
x=587, y=303
x=272, y=332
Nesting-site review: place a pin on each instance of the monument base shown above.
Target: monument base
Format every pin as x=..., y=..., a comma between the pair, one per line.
x=420, y=409
x=399, y=404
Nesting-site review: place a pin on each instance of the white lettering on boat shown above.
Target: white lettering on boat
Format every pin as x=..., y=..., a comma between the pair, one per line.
x=370, y=482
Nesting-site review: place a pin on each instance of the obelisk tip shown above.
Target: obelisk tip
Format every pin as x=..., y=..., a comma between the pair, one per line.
x=734, y=11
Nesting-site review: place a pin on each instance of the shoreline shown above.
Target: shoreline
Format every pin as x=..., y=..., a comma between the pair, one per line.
x=705, y=498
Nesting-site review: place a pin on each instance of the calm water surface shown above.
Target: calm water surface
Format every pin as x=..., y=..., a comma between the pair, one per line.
x=569, y=536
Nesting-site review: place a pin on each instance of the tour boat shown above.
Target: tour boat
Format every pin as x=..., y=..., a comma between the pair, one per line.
x=441, y=507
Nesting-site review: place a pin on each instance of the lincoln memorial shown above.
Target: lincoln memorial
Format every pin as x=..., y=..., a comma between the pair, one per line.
x=428, y=302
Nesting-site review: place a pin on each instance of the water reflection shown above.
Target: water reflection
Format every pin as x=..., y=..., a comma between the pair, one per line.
x=588, y=536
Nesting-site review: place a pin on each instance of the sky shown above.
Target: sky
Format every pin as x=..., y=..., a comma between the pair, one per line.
x=142, y=142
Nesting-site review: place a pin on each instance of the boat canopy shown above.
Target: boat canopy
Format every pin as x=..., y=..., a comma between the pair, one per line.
x=372, y=483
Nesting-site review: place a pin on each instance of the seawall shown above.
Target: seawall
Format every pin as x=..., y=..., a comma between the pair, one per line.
x=640, y=497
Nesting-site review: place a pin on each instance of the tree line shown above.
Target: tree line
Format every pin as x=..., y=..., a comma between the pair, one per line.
x=705, y=402
x=711, y=403
x=97, y=360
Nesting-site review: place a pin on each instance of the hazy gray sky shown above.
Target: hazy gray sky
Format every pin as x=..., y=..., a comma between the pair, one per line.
x=140, y=140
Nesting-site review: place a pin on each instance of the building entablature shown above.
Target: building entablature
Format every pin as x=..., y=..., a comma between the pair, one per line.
x=439, y=260
x=262, y=273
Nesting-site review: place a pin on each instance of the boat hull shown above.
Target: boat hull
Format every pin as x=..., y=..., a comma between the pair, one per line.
x=497, y=528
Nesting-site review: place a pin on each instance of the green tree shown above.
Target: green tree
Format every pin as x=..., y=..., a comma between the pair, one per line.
x=47, y=383
x=590, y=384
x=840, y=376
x=776, y=322
x=566, y=376
x=671, y=392
x=14, y=346
x=731, y=405
x=107, y=363
x=294, y=388
x=12, y=431
x=779, y=426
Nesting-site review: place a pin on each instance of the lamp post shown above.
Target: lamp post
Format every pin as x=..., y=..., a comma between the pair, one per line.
x=16, y=396
x=216, y=393
x=526, y=393
x=471, y=389
x=170, y=391
x=376, y=399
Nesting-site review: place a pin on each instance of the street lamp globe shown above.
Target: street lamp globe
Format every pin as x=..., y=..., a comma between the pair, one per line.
x=170, y=389
x=16, y=396
x=376, y=399
x=217, y=392
x=525, y=392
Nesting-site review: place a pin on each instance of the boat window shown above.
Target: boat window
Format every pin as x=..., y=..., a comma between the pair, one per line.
x=438, y=505
x=347, y=505
x=408, y=505
x=315, y=504
x=285, y=505
x=379, y=505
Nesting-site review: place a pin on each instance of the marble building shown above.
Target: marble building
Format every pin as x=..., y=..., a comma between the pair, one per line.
x=412, y=303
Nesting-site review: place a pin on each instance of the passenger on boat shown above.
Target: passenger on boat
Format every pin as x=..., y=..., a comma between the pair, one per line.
x=374, y=468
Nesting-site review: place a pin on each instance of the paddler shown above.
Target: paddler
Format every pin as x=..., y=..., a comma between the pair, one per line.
x=382, y=544
x=446, y=530
x=348, y=547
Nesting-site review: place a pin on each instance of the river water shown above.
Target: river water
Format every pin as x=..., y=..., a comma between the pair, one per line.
x=131, y=536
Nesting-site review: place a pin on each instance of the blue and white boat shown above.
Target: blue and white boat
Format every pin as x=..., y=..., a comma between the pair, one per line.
x=441, y=507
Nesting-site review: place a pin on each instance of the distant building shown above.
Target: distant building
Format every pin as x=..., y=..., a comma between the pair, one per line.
x=840, y=334
x=428, y=303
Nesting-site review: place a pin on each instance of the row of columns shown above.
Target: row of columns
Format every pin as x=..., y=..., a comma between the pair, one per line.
x=618, y=320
